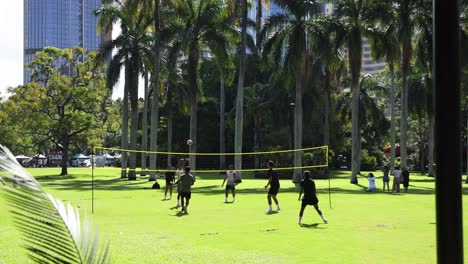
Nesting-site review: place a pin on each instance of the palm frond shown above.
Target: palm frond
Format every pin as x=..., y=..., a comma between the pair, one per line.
x=51, y=230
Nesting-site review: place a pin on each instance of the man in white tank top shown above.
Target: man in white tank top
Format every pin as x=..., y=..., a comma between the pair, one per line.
x=230, y=180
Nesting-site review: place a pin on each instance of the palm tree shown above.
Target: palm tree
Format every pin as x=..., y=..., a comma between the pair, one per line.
x=354, y=18
x=258, y=101
x=405, y=9
x=239, y=121
x=420, y=106
x=151, y=10
x=371, y=114
x=144, y=127
x=290, y=33
x=423, y=21
x=199, y=26
x=131, y=46
x=384, y=43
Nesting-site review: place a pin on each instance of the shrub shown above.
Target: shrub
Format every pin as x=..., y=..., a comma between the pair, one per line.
x=368, y=162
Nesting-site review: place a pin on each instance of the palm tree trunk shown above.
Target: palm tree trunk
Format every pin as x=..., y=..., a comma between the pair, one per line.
x=239, y=123
x=169, y=123
x=133, y=124
x=193, y=60
x=326, y=125
x=355, y=133
x=431, y=171
x=193, y=131
x=300, y=73
x=144, y=128
x=124, y=141
x=258, y=41
x=404, y=121
x=392, y=116
x=155, y=98
x=222, y=110
x=255, y=142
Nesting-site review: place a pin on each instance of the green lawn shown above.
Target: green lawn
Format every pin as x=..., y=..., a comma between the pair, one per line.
x=142, y=228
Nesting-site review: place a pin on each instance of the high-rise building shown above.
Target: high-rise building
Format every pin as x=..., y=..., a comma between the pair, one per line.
x=61, y=24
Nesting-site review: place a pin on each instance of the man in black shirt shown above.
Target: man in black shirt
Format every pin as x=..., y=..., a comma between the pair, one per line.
x=169, y=181
x=273, y=181
x=310, y=196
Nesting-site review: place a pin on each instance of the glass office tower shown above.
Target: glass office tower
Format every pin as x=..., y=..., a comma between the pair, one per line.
x=61, y=24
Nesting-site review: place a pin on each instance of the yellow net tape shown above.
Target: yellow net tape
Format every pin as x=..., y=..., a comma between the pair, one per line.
x=217, y=154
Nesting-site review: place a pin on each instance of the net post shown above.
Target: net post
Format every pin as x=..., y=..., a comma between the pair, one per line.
x=329, y=179
x=92, y=179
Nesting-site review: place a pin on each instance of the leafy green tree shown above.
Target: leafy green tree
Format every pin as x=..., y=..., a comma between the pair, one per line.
x=372, y=121
x=62, y=103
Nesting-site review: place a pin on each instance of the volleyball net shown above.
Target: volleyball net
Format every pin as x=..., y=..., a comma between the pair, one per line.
x=313, y=157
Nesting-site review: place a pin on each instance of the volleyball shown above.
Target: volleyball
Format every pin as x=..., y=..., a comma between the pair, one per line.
x=189, y=142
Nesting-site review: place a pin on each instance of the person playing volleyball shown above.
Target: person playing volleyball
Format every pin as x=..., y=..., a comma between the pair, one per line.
x=273, y=181
x=186, y=181
x=310, y=196
x=231, y=176
x=169, y=181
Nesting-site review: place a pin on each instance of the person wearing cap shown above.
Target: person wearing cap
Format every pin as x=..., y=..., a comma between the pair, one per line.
x=310, y=196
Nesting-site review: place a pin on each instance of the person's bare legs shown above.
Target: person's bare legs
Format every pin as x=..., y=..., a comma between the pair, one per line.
x=269, y=203
x=186, y=204
x=301, y=213
x=276, y=201
x=182, y=202
x=320, y=213
x=226, y=193
x=233, y=194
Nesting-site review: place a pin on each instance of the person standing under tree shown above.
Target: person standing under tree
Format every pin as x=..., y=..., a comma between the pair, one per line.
x=186, y=182
x=396, y=179
x=310, y=197
x=169, y=181
x=231, y=176
x=273, y=181
x=405, y=176
x=386, y=178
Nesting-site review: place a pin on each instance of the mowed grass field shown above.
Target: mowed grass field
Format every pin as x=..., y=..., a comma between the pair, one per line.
x=141, y=227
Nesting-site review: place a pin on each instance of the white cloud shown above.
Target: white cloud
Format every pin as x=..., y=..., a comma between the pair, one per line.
x=11, y=49
x=11, y=45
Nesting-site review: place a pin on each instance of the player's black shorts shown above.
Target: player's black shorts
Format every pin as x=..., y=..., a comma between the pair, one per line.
x=169, y=181
x=273, y=190
x=230, y=187
x=309, y=201
x=186, y=195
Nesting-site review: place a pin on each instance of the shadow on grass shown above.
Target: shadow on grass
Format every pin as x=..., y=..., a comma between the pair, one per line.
x=312, y=226
x=180, y=214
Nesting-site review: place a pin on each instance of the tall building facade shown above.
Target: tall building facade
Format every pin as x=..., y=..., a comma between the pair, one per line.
x=61, y=24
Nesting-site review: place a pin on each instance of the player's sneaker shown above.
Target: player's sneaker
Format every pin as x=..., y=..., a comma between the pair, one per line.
x=269, y=211
x=278, y=208
x=325, y=220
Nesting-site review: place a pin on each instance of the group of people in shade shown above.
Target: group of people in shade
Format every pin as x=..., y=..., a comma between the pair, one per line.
x=399, y=177
x=186, y=180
